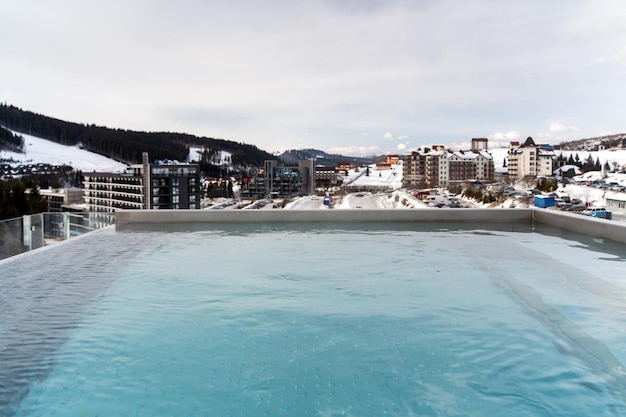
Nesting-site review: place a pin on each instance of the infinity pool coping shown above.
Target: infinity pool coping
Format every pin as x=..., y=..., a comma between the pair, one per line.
x=599, y=228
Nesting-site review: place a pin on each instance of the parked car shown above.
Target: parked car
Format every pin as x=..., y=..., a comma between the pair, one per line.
x=602, y=214
x=589, y=211
x=577, y=208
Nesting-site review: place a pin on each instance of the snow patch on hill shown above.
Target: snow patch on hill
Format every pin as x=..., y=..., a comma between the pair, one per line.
x=39, y=150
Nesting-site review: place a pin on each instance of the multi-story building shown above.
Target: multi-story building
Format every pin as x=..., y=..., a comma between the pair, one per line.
x=465, y=165
x=162, y=185
x=111, y=191
x=60, y=199
x=480, y=144
x=174, y=186
x=438, y=167
x=387, y=163
x=326, y=177
x=421, y=168
x=280, y=181
x=530, y=160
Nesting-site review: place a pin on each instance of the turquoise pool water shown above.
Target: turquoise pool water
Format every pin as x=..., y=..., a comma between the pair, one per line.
x=269, y=321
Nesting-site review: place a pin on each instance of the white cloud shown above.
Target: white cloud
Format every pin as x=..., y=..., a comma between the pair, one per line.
x=388, y=135
x=561, y=128
x=500, y=136
x=620, y=57
x=401, y=146
x=356, y=150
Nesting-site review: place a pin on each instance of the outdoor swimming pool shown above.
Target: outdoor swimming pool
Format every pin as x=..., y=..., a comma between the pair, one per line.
x=357, y=320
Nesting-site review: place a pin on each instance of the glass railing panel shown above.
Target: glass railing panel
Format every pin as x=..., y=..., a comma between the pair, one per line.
x=37, y=230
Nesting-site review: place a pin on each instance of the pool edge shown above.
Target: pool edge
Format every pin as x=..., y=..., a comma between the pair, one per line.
x=600, y=228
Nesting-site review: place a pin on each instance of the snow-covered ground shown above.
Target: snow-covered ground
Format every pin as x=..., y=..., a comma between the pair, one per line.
x=44, y=151
x=387, y=178
x=398, y=199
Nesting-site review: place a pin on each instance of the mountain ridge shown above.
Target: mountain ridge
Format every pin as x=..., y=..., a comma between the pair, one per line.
x=292, y=156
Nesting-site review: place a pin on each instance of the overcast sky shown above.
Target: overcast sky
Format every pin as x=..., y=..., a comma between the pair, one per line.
x=352, y=77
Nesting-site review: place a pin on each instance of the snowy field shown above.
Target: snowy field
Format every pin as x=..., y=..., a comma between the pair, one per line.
x=45, y=151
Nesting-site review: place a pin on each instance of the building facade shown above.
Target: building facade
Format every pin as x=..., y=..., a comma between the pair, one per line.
x=59, y=199
x=174, y=186
x=480, y=144
x=530, y=160
x=280, y=181
x=465, y=165
x=421, y=168
x=616, y=202
x=438, y=167
x=326, y=177
x=162, y=185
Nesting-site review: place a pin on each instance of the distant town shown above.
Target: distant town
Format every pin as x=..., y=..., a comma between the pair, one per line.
x=466, y=178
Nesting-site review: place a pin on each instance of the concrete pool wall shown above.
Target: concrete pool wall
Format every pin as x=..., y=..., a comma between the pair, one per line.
x=600, y=228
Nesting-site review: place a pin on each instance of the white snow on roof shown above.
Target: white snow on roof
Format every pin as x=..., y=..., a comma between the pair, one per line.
x=566, y=168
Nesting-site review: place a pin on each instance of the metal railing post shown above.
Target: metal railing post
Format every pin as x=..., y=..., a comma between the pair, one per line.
x=66, y=225
x=27, y=232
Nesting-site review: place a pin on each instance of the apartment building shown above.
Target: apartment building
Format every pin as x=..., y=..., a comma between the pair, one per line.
x=421, y=168
x=59, y=199
x=464, y=165
x=530, y=160
x=326, y=177
x=280, y=181
x=438, y=167
x=161, y=185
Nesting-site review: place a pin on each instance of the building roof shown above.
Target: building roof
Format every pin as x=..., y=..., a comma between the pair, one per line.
x=615, y=196
x=545, y=152
x=566, y=168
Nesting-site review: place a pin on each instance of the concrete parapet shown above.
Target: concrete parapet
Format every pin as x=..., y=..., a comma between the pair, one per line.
x=591, y=226
x=127, y=217
x=600, y=228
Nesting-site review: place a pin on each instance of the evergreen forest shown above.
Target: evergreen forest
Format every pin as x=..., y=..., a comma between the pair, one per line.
x=15, y=201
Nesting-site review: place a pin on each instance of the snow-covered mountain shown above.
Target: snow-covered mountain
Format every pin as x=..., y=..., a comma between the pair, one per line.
x=39, y=150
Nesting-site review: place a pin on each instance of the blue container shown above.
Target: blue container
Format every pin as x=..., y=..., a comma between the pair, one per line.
x=544, y=201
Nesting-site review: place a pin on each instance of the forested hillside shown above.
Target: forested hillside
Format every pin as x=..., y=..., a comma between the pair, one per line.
x=292, y=156
x=123, y=145
x=10, y=141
